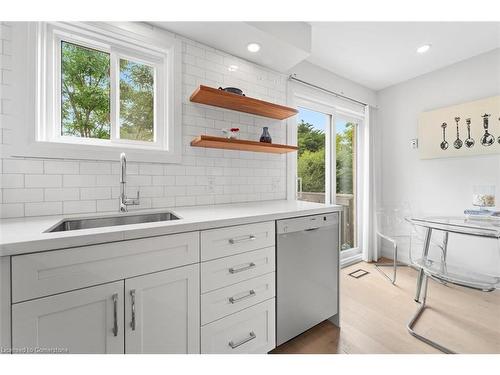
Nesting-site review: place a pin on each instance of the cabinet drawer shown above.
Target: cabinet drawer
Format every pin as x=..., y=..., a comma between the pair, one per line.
x=228, y=300
x=251, y=331
x=222, y=272
x=218, y=243
x=42, y=274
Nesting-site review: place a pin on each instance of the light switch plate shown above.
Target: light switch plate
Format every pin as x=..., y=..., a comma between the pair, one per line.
x=414, y=143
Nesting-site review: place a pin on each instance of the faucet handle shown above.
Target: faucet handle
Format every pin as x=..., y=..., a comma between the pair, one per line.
x=136, y=199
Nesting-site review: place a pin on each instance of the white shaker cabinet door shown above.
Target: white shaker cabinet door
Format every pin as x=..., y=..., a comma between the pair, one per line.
x=88, y=320
x=162, y=312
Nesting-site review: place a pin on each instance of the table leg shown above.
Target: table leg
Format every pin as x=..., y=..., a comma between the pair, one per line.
x=425, y=252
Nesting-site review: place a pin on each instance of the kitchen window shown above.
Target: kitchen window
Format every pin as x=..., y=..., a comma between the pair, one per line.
x=104, y=88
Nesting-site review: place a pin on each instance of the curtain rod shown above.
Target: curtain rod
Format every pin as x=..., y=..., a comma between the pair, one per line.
x=293, y=78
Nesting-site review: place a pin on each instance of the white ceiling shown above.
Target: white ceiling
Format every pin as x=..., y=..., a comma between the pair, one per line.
x=381, y=54
x=373, y=54
x=284, y=44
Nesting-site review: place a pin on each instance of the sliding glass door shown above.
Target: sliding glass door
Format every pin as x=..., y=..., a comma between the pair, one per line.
x=327, y=164
x=311, y=156
x=346, y=171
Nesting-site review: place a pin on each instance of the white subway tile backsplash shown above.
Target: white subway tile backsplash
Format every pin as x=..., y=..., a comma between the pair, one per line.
x=151, y=169
x=11, y=210
x=95, y=193
x=42, y=208
x=163, y=202
x=73, y=207
x=22, y=195
x=163, y=180
x=79, y=180
x=95, y=168
x=139, y=180
x=205, y=176
x=107, y=205
x=151, y=191
x=22, y=166
x=62, y=194
x=11, y=181
x=61, y=167
x=42, y=180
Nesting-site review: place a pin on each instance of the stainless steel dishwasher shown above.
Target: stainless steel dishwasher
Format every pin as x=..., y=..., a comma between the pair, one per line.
x=307, y=263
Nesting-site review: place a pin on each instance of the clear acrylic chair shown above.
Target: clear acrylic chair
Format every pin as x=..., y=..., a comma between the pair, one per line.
x=393, y=227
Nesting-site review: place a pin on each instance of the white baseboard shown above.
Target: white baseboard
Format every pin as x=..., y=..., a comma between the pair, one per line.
x=350, y=260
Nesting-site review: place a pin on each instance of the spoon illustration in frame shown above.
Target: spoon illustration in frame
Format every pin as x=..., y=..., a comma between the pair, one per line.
x=444, y=144
x=487, y=139
x=458, y=142
x=469, y=142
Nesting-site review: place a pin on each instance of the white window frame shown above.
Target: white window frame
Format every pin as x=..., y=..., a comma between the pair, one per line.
x=314, y=100
x=130, y=41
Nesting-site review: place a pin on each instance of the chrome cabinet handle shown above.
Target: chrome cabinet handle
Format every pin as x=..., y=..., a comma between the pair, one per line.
x=241, y=269
x=115, y=314
x=251, y=336
x=132, y=323
x=251, y=237
x=251, y=293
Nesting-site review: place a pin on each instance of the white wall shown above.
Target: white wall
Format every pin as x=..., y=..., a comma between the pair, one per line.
x=439, y=186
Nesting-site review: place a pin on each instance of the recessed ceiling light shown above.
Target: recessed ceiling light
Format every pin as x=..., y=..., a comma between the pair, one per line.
x=253, y=47
x=232, y=68
x=424, y=48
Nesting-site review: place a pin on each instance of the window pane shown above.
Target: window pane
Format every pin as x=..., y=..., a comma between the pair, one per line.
x=311, y=154
x=346, y=180
x=136, y=101
x=85, y=92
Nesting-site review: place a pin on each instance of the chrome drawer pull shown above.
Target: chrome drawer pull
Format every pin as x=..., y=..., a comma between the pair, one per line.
x=251, y=237
x=115, y=314
x=250, y=294
x=132, y=323
x=249, y=338
x=236, y=270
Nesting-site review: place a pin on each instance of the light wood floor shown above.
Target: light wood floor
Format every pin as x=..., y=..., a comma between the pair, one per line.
x=374, y=315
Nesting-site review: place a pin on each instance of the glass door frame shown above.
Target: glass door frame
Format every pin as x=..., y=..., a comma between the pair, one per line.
x=334, y=112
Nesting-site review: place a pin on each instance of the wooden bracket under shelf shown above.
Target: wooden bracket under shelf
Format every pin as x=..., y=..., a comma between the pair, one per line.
x=209, y=141
x=219, y=98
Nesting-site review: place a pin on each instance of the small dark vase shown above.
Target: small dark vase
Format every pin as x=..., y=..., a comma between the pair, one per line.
x=266, y=137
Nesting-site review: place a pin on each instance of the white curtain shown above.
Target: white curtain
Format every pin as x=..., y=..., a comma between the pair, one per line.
x=369, y=190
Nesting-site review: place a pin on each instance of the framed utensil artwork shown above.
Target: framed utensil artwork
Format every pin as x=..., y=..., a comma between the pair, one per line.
x=471, y=128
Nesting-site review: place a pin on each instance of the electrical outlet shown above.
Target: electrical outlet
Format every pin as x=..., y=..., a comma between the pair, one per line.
x=414, y=143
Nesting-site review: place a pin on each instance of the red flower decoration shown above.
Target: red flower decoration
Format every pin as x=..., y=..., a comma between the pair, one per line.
x=235, y=129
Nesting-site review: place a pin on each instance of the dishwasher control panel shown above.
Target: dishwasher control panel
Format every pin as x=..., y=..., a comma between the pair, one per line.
x=307, y=223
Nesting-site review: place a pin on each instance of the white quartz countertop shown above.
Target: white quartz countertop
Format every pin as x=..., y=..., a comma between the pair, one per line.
x=27, y=235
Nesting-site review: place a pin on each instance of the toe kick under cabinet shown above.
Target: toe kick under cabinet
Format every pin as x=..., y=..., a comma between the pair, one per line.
x=198, y=292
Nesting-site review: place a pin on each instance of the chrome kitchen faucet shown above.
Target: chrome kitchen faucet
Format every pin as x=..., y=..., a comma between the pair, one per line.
x=124, y=201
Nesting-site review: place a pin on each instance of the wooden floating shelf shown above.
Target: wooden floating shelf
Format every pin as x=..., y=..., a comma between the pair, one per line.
x=219, y=98
x=242, y=145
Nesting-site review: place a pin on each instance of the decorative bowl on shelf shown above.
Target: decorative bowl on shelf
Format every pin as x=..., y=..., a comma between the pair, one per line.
x=233, y=90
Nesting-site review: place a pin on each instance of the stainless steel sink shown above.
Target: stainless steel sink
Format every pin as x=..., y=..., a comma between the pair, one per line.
x=111, y=221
